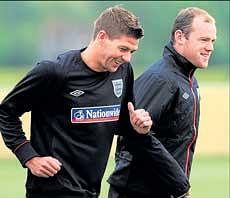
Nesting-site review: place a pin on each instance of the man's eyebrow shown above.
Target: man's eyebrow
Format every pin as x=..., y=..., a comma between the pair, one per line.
x=132, y=51
x=123, y=46
x=207, y=38
x=127, y=48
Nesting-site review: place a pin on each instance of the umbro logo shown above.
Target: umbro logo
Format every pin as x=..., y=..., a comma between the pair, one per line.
x=185, y=95
x=77, y=93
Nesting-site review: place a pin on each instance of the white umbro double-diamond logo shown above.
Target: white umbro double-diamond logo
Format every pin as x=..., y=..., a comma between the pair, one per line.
x=185, y=95
x=77, y=93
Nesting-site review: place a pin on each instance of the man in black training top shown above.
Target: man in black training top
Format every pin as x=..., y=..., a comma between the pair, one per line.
x=168, y=90
x=77, y=104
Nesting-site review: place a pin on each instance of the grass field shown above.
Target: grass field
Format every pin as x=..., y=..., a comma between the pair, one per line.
x=210, y=178
x=10, y=75
x=210, y=173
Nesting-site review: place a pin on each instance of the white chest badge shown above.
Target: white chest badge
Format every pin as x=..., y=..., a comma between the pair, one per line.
x=117, y=87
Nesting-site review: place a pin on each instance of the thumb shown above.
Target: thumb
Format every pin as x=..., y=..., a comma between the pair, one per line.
x=130, y=107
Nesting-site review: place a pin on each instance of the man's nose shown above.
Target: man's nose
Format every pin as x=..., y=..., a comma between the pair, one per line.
x=209, y=46
x=127, y=57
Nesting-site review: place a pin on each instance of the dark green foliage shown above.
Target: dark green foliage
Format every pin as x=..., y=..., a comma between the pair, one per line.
x=24, y=24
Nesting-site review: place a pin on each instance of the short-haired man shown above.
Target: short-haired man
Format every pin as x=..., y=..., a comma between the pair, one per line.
x=168, y=90
x=77, y=104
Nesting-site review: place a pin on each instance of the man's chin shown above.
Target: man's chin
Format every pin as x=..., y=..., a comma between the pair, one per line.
x=113, y=69
x=203, y=66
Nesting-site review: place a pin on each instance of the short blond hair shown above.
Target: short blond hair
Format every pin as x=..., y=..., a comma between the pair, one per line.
x=117, y=21
x=185, y=18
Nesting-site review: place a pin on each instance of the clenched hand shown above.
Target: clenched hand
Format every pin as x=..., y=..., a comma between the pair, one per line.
x=43, y=166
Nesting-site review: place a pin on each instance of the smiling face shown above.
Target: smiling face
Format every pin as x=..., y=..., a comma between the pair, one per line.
x=116, y=51
x=198, y=46
x=116, y=35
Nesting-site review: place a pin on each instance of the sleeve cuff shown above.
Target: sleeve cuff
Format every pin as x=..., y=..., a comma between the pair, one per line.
x=25, y=153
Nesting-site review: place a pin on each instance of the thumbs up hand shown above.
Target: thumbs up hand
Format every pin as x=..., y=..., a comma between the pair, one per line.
x=140, y=119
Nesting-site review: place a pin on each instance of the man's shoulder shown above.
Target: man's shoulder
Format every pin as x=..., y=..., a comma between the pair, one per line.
x=126, y=65
x=157, y=69
x=156, y=75
x=68, y=58
x=50, y=68
x=125, y=69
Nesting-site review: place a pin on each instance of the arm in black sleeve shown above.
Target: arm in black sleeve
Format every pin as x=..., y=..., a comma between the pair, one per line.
x=30, y=92
x=163, y=166
x=147, y=147
x=154, y=95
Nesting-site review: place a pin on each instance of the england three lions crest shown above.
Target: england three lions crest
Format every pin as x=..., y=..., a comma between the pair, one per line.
x=117, y=87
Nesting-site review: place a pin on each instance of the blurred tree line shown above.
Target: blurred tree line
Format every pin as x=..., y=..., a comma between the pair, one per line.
x=31, y=31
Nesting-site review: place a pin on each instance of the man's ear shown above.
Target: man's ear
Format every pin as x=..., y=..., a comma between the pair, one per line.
x=179, y=37
x=102, y=35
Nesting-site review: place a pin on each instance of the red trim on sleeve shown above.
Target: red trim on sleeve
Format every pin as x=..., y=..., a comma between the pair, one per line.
x=20, y=145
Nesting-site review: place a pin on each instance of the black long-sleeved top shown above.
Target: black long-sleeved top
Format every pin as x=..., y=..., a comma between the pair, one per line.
x=169, y=92
x=75, y=113
x=171, y=95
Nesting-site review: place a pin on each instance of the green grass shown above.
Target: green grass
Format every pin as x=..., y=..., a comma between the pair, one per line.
x=9, y=76
x=12, y=177
x=209, y=179
x=212, y=74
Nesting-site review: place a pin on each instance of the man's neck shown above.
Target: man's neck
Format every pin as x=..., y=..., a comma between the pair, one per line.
x=90, y=57
x=178, y=49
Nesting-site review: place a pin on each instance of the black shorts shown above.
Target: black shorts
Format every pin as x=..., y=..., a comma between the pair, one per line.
x=58, y=195
x=115, y=192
